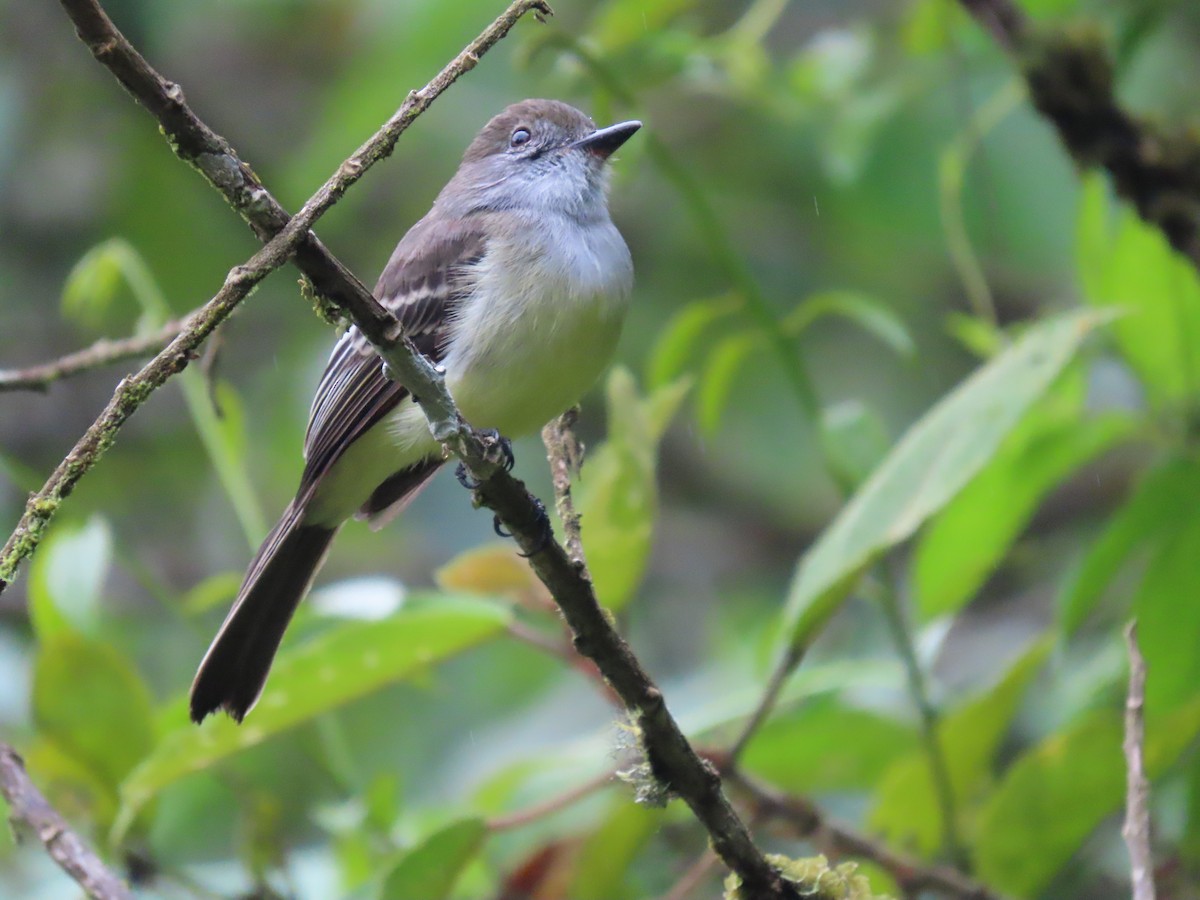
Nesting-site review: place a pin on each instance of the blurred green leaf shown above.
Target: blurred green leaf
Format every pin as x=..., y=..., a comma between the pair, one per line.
x=716, y=382
x=977, y=335
x=857, y=438
x=1167, y=496
x=1134, y=268
x=864, y=311
x=1055, y=795
x=214, y=592
x=622, y=22
x=1049, y=801
x=971, y=536
x=93, y=284
x=617, y=493
x=66, y=578
x=607, y=853
x=906, y=811
x=329, y=671
x=824, y=745
x=930, y=465
x=89, y=700
x=73, y=788
x=1168, y=616
x=428, y=871
x=680, y=337
x=492, y=569
x=930, y=25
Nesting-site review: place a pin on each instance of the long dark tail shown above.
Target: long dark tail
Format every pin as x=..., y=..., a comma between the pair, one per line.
x=235, y=668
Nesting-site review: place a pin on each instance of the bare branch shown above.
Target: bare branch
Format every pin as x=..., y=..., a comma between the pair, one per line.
x=102, y=353
x=539, y=811
x=1136, y=829
x=1071, y=82
x=29, y=807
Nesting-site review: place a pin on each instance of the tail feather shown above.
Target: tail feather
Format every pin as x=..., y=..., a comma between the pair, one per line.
x=234, y=670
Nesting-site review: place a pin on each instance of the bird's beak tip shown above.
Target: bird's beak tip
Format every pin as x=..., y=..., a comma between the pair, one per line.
x=605, y=141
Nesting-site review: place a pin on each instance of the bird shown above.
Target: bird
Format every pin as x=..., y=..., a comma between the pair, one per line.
x=516, y=284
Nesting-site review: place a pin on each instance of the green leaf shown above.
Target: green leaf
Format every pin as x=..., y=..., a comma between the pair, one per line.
x=716, y=382
x=89, y=700
x=1167, y=496
x=930, y=465
x=970, y=537
x=216, y=591
x=1168, y=616
x=824, y=745
x=67, y=576
x=623, y=22
x=428, y=871
x=335, y=668
x=1134, y=268
x=1050, y=800
x=681, y=336
x=608, y=852
x=864, y=311
x=1054, y=796
x=857, y=439
x=906, y=809
x=93, y=283
x=618, y=491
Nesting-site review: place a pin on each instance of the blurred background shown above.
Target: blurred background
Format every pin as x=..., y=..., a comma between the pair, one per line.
x=868, y=174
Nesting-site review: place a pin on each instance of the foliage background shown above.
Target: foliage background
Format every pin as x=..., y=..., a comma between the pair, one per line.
x=835, y=145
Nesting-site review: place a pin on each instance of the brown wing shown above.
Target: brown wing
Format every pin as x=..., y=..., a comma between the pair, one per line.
x=422, y=284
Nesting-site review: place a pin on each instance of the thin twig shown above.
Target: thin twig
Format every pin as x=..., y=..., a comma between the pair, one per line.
x=839, y=842
x=693, y=877
x=1136, y=829
x=27, y=806
x=564, y=451
x=939, y=768
x=552, y=805
x=766, y=703
x=102, y=353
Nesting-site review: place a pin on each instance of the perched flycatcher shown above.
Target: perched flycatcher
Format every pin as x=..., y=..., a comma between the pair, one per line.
x=516, y=282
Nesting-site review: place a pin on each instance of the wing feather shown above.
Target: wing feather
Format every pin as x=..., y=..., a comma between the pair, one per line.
x=422, y=284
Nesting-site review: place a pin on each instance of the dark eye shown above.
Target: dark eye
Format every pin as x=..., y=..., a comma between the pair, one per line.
x=519, y=137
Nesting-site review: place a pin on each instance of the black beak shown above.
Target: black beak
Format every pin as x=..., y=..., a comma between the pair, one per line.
x=605, y=141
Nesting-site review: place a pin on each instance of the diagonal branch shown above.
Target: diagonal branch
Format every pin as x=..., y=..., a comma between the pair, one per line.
x=27, y=806
x=102, y=353
x=1071, y=81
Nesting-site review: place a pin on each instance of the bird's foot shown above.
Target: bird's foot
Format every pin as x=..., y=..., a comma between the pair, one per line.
x=541, y=523
x=499, y=449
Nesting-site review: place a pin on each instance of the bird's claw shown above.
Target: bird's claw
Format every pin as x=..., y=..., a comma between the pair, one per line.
x=499, y=448
x=541, y=523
